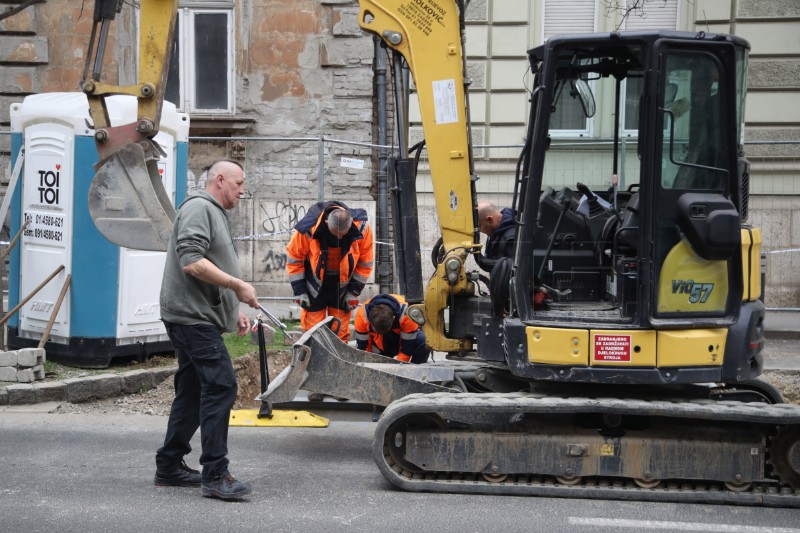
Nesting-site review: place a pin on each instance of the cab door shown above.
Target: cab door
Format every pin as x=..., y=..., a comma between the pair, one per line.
x=695, y=197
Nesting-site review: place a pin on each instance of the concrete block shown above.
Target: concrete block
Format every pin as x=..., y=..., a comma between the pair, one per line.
x=38, y=372
x=28, y=357
x=105, y=385
x=25, y=49
x=25, y=375
x=3, y=397
x=21, y=394
x=77, y=390
x=21, y=22
x=162, y=374
x=18, y=79
x=336, y=52
x=8, y=373
x=269, y=335
x=52, y=391
x=8, y=358
x=347, y=23
x=136, y=381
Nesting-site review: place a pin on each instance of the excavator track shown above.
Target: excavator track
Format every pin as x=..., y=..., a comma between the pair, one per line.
x=699, y=451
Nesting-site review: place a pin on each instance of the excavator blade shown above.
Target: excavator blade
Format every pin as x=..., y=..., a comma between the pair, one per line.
x=128, y=202
x=321, y=362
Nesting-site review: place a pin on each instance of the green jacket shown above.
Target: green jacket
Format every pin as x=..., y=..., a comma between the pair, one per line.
x=201, y=230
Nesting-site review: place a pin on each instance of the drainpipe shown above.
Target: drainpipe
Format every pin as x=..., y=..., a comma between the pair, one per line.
x=384, y=252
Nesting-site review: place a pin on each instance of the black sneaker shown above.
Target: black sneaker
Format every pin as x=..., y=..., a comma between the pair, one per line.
x=181, y=476
x=226, y=488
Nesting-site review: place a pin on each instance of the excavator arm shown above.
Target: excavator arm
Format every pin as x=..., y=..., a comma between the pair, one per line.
x=127, y=199
x=429, y=38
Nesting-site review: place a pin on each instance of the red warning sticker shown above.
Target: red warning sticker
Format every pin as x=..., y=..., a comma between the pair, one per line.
x=615, y=348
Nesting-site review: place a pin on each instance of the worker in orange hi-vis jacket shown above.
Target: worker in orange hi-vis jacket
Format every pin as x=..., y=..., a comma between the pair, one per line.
x=383, y=327
x=329, y=259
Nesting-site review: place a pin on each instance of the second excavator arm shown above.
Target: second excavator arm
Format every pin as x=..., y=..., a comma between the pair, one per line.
x=127, y=200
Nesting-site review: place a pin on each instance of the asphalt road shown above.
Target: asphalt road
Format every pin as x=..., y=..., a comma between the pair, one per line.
x=90, y=473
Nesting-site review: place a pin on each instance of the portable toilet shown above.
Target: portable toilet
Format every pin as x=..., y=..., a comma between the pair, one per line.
x=111, y=307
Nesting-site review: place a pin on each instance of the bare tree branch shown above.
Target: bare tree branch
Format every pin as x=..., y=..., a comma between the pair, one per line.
x=628, y=8
x=14, y=10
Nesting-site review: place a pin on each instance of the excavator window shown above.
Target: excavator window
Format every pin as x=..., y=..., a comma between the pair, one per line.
x=567, y=112
x=691, y=156
x=697, y=231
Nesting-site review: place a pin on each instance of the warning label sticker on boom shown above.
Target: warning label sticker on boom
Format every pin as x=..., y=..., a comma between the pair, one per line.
x=612, y=348
x=444, y=101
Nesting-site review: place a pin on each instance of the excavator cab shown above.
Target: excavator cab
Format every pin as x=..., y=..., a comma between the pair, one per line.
x=127, y=199
x=630, y=241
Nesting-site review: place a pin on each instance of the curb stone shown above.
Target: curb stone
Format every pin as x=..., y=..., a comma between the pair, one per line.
x=21, y=394
x=50, y=392
x=78, y=390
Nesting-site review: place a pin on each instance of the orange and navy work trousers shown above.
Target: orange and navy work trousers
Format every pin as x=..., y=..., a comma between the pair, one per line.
x=328, y=303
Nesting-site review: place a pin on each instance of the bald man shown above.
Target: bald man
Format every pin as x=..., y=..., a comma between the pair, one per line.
x=200, y=294
x=498, y=225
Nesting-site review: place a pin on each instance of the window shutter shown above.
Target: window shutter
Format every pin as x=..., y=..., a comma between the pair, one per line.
x=652, y=15
x=568, y=16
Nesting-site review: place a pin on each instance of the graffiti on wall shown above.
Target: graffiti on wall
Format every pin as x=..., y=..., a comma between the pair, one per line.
x=275, y=220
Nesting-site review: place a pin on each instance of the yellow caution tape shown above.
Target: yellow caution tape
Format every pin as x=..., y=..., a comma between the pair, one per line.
x=249, y=418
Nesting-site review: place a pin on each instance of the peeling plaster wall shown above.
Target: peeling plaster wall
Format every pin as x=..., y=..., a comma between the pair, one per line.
x=304, y=70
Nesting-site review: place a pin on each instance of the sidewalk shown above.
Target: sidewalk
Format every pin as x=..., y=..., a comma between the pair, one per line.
x=781, y=353
x=84, y=389
x=782, y=325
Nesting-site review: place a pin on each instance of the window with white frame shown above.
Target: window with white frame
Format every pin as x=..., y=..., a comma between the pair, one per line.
x=661, y=15
x=562, y=17
x=582, y=16
x=202, y=69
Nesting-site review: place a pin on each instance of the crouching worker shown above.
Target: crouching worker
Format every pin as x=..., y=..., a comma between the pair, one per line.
x=383, y=327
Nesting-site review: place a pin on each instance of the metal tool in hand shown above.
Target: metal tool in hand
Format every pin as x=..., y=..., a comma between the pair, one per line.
x=265, y=411
x=274, y=320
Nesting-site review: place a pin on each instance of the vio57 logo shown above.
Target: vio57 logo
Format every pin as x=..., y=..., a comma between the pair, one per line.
x=698, y=292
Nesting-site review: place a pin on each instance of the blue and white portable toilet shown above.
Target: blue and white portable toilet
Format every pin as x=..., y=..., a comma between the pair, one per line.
x=111, y=308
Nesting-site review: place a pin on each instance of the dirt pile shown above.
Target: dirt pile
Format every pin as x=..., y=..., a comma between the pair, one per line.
x=157, y=401
x=787, y=382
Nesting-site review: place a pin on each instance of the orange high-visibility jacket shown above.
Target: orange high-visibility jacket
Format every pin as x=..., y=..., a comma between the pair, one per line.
x=368, y=340
x=307, y=258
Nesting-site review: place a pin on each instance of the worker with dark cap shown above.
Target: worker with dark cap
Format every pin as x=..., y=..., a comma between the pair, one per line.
x=383, y=327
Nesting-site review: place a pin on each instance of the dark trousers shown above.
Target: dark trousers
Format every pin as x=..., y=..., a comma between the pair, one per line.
x=205, y=390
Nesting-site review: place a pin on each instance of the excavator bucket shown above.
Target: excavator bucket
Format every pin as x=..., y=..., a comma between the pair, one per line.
x=128, y=202
x=321, y=362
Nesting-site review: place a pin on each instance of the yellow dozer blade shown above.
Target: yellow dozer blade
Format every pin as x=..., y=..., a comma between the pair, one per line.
x=128, y=202
x=297, y=419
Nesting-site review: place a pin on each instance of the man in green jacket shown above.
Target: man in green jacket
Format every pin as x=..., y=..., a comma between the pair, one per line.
x=200, y=294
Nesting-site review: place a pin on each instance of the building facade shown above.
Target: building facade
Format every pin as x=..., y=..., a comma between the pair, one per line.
x=264, y=80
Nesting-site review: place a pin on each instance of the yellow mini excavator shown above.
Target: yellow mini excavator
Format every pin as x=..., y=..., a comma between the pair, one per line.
x=636, y=376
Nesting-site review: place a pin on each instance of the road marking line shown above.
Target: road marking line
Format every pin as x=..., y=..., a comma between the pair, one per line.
x=676, y=526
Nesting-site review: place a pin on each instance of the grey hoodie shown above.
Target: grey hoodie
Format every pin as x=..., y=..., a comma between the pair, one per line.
x=201, y=230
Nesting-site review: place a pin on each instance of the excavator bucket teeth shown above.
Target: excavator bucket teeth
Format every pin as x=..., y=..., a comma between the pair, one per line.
x=321, y=362
x=128, y=202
